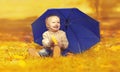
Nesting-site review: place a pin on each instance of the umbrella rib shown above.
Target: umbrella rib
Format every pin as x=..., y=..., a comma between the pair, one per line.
x=69, y=14
x=90, y=31
x=63, y=14
x=87, y=20
x=88, y=28
x=76, y=39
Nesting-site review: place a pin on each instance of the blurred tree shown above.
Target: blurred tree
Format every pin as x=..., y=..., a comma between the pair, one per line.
x=106, y=8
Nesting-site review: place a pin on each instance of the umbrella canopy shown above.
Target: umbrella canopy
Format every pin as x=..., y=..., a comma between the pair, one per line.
x=82, y=31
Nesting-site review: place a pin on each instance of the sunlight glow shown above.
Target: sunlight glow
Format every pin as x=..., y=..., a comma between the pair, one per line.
x=20, y=9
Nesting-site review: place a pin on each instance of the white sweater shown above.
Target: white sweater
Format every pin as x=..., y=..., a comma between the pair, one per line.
x=59, y=35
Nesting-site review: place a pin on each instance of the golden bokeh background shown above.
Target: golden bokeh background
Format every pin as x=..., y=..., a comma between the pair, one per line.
x=21, y=9
x=16, y=17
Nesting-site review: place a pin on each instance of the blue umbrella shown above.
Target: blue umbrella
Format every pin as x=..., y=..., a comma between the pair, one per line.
x=82, y=31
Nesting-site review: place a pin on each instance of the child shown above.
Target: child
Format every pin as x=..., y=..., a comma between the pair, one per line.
x=54, y=40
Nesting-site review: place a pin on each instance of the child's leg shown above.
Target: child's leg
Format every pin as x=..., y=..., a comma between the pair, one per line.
x=56, y=51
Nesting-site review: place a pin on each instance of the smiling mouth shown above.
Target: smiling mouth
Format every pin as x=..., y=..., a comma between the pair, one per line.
x=55, y=26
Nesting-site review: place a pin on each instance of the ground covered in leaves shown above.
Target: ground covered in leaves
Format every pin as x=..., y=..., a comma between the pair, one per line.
x=103, y=57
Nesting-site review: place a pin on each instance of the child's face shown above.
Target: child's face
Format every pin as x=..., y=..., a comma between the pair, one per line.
x=53, y=23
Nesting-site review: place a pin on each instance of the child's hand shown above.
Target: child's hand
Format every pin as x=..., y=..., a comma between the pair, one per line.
x=55, y=41
x=51, y=43
x=60, y=44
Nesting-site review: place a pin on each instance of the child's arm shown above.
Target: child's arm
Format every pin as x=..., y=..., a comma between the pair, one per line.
x=64, y=41
x=46, y=41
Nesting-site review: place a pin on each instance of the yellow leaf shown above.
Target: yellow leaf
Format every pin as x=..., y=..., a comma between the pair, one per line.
x=18, y=57
x=22, y=63
x=54, y=40
x=115, y=48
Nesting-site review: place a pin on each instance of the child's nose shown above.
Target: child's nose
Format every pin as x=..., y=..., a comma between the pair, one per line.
x=56, y=23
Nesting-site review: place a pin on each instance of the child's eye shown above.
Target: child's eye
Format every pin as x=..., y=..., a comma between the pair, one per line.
x=58, y=22
x=53, y=22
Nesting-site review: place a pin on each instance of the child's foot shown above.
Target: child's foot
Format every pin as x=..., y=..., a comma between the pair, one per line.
x=70, y=54
x=33, y=52
x=56, y=51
